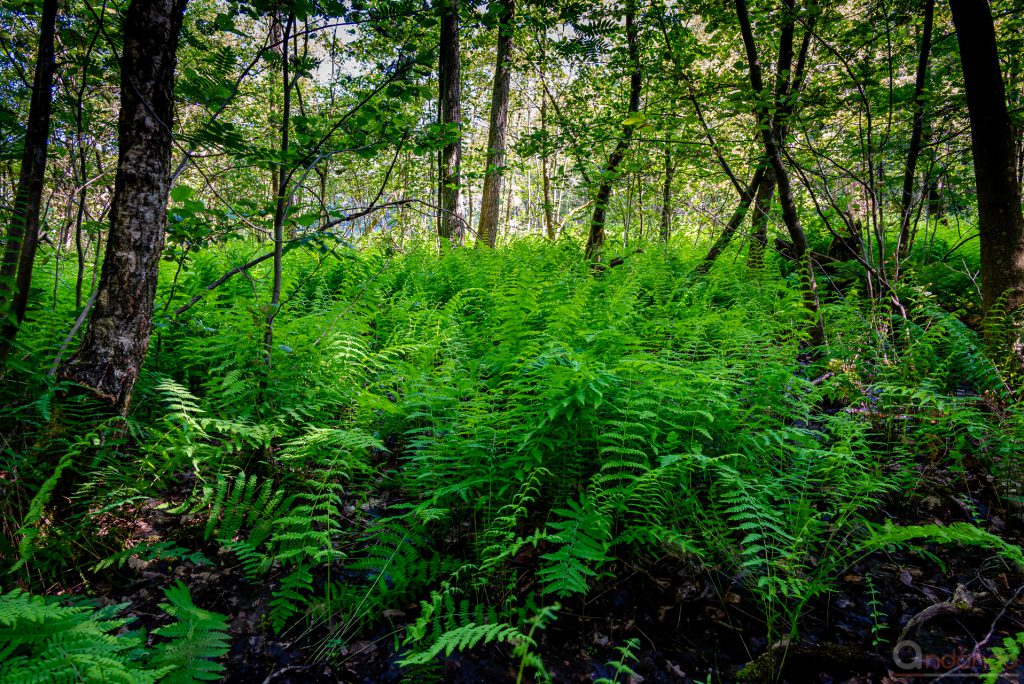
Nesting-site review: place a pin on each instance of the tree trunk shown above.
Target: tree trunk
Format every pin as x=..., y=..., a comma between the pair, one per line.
x=916, y=134
x=82, y=167
x=115, y=342
x=772, y=150
x=759, y=229
x=1000, y=223
x=549, y=207
x=595, y=239
x=281, y=195
x=23, y=233
x=746, y=197
x=450, y=221
x=666, y=199
x=487, y=231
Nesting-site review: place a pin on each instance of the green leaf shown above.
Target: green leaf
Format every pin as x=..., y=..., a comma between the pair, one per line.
x=180, y=193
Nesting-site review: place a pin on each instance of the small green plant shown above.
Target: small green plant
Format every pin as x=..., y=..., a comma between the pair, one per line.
x=621, y=666
x=878, y=616
x=1003, y=657
x=525, y=649
x=197, y=640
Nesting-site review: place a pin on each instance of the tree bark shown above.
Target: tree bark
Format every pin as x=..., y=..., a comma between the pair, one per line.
x=451, y=220
x=916, y=135
x=790, y=215
x=549, y=207
x=1000, y=223
x=595, y=239
x=281, y=193
x=759, y=228
x=114, y=346
x=746, y=197
x=666, y=198
x=23, y=233
x=487, y=230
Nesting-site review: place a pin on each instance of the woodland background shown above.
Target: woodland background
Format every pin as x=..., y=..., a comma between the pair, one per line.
x=516, y=341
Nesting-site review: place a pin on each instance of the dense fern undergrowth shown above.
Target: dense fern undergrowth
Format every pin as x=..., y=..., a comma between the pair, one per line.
x=473, y=440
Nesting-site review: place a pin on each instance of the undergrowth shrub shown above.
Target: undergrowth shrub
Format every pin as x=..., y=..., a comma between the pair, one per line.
x=482, y=433
x=42, y=640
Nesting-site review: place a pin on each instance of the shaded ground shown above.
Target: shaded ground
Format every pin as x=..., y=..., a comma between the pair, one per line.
x=949, y=606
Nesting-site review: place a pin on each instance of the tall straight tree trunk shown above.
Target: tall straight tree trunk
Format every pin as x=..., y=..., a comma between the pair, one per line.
x=450, y=220
x=549, y=207
x=759, y=228
x=115, y=342
x=487, y=231
x=82, y=167
x=595, y=239
x=1000, y=223
x=790, y=215
x=23, y=232
x=916, y=135
x=281, y=192
x=666, y=198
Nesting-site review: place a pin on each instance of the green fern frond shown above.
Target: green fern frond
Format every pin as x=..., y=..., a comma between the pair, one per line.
x=584, y=539
x=198, y=639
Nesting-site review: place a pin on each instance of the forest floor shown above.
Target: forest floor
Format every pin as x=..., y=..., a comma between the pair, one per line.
x=946, y=607
x=638, y=477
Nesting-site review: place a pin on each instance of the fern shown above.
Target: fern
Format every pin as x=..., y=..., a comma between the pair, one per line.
x=197, y=639
x=955, y=533
x=1003, y=657
x=290, y=597
x=43, y=641
x=499, y=539
x=466, y=637
x=584, y=539
x=152, y=551
x=621, y=666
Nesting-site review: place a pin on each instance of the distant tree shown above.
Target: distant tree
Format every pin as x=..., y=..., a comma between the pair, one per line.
x=451, y=219
x=487, y=232
x=117, y=336
x=596, y=236
x=773, y=150
x=917, y=130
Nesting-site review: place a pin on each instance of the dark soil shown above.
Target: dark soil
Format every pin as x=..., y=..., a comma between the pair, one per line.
x=694, y=624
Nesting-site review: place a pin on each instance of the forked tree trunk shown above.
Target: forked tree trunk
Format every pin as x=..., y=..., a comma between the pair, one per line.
x=450, y=220
x=1000, y=223
x=759, y=228
x=790, y=215
x=729, y=232
x=23, y=231
x=487, y=231
x=115, y=342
